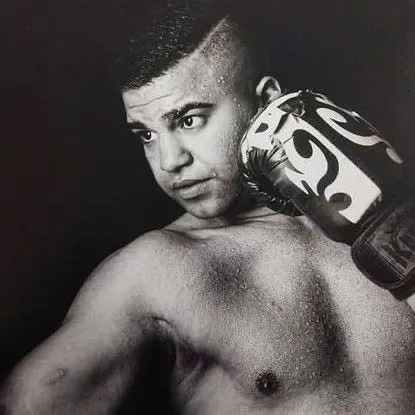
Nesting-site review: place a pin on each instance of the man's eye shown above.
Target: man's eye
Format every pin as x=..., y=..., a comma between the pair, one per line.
x=145, y=135
x=192, y=121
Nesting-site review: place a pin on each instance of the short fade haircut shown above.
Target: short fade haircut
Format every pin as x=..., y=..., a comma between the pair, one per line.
x=174, y=29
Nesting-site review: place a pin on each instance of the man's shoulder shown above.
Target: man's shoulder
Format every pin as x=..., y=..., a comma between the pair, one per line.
x=149, y=252
x=136, y=275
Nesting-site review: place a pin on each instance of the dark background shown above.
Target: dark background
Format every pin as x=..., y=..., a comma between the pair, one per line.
x=74, y=185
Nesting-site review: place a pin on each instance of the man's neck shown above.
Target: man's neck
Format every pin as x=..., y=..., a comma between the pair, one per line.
x=244, y=208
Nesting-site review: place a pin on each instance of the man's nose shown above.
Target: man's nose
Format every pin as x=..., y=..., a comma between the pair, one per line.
x=173, y=153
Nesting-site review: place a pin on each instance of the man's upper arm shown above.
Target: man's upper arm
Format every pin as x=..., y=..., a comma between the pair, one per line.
x=86, y=366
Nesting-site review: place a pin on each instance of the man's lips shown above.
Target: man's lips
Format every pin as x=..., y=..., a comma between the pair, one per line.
x=187, y=183
x=191, y=188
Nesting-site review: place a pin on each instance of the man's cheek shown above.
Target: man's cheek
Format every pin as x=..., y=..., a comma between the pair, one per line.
x=153, y=163
x=158, y=177
x=219, y=150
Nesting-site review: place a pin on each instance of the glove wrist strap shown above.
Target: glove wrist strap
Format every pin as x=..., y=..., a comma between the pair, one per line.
x=385, y=251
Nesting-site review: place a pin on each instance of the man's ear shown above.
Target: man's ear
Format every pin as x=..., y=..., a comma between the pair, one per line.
x=267, y=90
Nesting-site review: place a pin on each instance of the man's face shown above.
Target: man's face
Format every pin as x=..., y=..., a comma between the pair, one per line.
x=190, y=121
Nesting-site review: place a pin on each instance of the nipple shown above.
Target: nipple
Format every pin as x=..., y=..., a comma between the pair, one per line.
x=267, y=383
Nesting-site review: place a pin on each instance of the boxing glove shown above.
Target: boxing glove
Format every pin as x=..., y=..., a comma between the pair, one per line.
x=303, y=154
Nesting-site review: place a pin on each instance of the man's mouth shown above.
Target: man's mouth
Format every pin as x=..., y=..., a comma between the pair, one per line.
x=190, y=188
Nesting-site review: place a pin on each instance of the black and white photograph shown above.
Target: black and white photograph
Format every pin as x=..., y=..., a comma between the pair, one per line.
x=208, y=207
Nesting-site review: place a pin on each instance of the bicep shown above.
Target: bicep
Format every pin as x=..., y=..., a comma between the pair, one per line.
x=79, y=369
x=87, y=364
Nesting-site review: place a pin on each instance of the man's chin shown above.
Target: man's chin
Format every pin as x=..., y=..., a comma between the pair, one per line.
x=205, y=209
x=223, y=208
x=204, y=213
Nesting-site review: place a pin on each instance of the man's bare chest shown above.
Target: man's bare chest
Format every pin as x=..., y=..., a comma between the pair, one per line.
x=259, y=318
x=255, y=306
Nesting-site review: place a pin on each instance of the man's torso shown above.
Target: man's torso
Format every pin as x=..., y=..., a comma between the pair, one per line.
x=270, y=317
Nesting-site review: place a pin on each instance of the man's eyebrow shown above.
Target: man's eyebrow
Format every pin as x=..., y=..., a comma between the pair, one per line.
x=179, y=112
x=173, y=114
x=136, y=125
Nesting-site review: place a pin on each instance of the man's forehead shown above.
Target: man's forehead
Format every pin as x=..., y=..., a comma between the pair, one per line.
x=193, y=76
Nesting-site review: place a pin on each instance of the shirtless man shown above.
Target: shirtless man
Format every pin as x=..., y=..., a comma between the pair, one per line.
x=231, y=309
